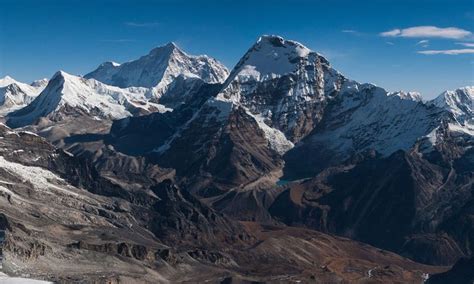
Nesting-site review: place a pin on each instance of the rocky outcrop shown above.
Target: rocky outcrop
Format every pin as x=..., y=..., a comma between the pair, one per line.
x=409, y=203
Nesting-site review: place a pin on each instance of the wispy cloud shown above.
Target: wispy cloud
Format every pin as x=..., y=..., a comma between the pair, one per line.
x=448, y=51
x=466, y=44
x=143, y=24
x=389, y=43
x=424, y=43
x=352, y=32
x=349, y=31
x=428, y=31
x=421, y=42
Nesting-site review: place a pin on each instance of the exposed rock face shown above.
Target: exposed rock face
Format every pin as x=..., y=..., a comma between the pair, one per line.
x=48, y=213
x=283, y=83
x=141, y=135
x=408, y=202
x=227, y=155
x=363, y=118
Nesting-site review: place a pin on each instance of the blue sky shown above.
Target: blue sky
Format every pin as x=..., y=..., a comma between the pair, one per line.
x=369, y=41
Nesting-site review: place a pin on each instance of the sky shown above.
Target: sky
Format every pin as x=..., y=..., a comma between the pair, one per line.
x=425, y=46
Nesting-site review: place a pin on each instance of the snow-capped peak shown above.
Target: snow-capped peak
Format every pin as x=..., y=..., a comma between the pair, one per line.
x=41, y=83
x=459, y=102
x=62, y=74
x=7, y=80
x=279, y=82
x=109, y=64
x=414, y=96
x=68, y=94
x=159, y=68
x=167, y=48
x=15, y=95
x=270, y=57
x=278, y=41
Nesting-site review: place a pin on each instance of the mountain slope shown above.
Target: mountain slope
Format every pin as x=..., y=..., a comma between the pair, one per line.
x=284, y=85
x=15, y=95
x=361, y=118
x=68, y=95
x=162, y=70
x=296, y=108
x=416, y=204
x=459, y=103
x=292, y=96
x=64, y=222
x=238, y=135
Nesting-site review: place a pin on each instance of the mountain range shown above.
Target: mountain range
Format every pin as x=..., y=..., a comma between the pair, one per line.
x=170, y=168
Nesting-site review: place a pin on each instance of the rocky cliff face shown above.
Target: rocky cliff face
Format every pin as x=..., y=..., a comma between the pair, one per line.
x=407, y=202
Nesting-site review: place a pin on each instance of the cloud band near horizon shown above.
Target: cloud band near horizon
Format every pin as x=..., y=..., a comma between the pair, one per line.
x=428, y=32
x=448, y=51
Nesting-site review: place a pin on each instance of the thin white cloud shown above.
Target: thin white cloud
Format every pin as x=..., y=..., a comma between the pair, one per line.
x=466, y=44
x=142, y=25
x=422, y=42
x=352, y=32
x=395, y=32
x=389, y=43
x=448, y=51
x=428, y=31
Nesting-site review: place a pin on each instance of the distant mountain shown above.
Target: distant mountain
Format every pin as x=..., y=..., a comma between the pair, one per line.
x=460, y=103
x=68, y=95
x=15, y=95
x=166, y=70
x=40, y=83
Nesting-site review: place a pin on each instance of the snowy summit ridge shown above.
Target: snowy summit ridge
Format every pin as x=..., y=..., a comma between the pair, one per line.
x=15, y=95
x=271, y=56
x=67, y=94
x=159, y=69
